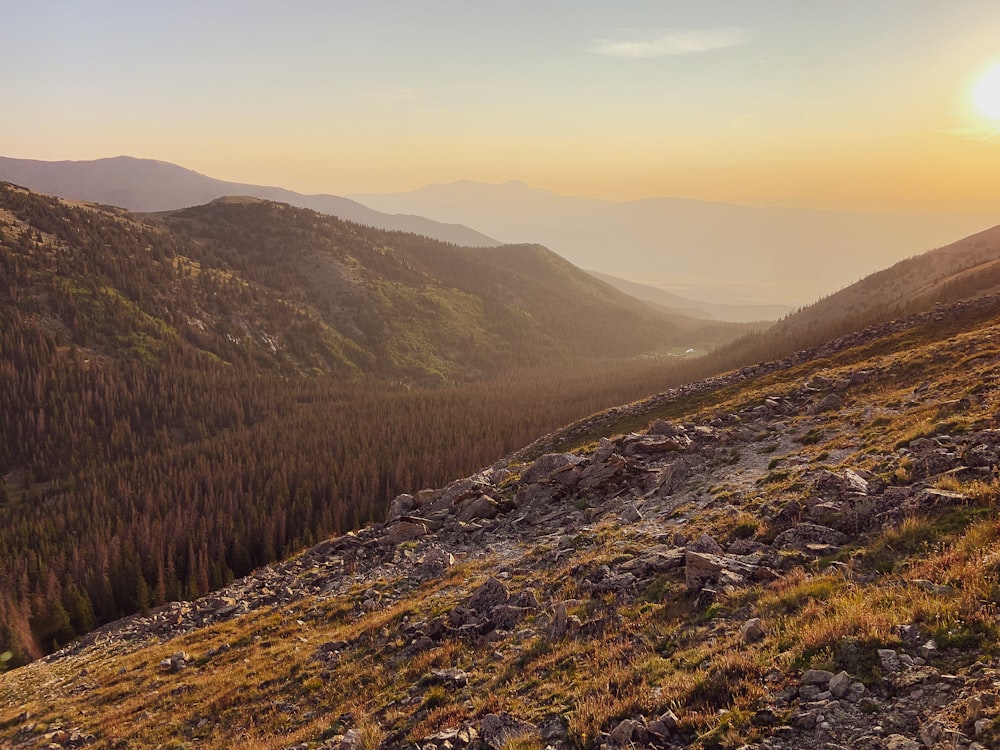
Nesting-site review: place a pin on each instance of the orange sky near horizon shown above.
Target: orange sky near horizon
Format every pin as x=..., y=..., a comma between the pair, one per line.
x=855, y=106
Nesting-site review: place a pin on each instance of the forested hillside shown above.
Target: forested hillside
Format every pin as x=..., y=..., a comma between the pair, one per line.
x=186, y=399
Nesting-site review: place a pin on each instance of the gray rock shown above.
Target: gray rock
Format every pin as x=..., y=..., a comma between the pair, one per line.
x=559, y=625
x=548, y=466
x=630, y=514
x=839, y=685
x=752, y=631
x=453, y=676
x=400, y=506
x=705, y=543
x=506, y=617
x=928, y=650
x=890, y=660
x=816, y=677
x=403, y=531
x=802, y=535
x=488, y=595
x=483, y=506
x=831, y=402
x=899, y=742
x=622, y=734
x=664, y=428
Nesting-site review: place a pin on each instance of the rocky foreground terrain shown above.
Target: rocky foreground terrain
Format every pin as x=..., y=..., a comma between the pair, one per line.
x=800, y=554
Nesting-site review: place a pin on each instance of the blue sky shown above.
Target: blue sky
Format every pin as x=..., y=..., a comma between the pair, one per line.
x=848, y=104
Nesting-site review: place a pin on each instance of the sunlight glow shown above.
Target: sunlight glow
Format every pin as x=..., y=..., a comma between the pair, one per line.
x=986, y=94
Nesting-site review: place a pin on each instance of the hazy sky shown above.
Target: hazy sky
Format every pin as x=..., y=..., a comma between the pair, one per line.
x=854, y=103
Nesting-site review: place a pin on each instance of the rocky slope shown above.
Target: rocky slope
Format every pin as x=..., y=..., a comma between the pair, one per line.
x=801, y=553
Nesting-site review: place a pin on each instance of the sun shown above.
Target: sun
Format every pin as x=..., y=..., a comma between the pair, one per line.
x=986, y=94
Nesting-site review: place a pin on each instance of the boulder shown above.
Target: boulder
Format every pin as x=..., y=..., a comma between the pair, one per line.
x=705, y=543
x=801, y=535
x=663, y=428
x=488, y=595
x=506, y=617
x=600, y=474
x=830, y=402
x=403, y=531
x=400, y=506
x=483, y=506
x=630, y=514
x=549, y=466
x=839, y=685
x=752, y=631
x=819, y=677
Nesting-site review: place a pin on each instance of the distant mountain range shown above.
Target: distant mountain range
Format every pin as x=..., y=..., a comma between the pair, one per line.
x=150, y=185
x=713, y=251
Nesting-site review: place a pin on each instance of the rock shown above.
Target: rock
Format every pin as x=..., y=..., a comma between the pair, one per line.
x=557, y=630
x=402, y=505
x=497, y=730
x=928, y=650
x=403, y=531
x=705, y=543
x=899, y=742
x=931, y=733
x=889, y=660
x=839, y=685
x=506, y=617
x=700, y=569
x=548, y=466
x=621, y=735
x=630, y=514
x=483, y=506
x=488, y=595
x=664, y=428
x=455, y=677
x=831, y=402
x=801, y=535
x=752, y=631
x=820, y=677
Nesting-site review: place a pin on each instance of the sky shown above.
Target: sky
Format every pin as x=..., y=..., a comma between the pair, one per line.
x=861, y=105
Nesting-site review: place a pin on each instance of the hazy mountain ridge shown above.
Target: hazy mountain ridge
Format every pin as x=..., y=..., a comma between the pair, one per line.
x=151, y=185
x=964, y=269
x=753, y=568
x=695, y=308
x=716, y=251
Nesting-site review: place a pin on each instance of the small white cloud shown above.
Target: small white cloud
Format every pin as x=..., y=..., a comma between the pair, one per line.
x=673, y=42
